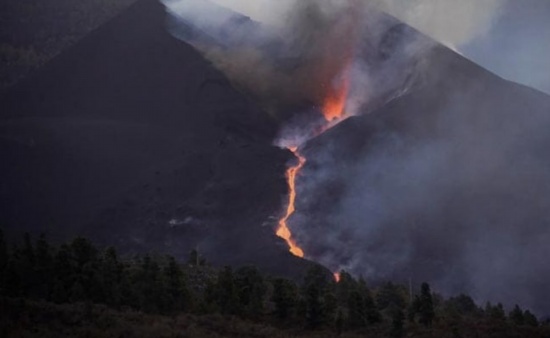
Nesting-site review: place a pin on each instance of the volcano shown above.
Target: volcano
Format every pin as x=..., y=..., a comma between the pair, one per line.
x=134, y=139
x=440, y=178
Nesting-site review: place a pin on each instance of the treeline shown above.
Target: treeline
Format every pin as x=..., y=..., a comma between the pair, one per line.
x=78, y=272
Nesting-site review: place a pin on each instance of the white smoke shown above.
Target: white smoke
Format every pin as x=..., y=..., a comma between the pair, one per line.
x=271, y=12
x=515, y=50
x=451, y=22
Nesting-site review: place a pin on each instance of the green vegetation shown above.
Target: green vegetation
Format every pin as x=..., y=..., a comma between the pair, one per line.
x=34, y=31
x=78, y=290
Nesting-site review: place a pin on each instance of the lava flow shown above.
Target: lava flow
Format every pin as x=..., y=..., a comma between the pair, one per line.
x=283, y=231
x=333, y=111
x=333, y=108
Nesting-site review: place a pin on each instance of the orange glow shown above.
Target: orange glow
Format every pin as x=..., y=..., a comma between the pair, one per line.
x=333, y=73
x=337, y=277
x=338, y=59
x=283, y=230
x=335, y=101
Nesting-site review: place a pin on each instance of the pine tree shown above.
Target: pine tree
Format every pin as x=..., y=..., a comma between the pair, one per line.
x=44, y=268
x=344, y=287
x=194, y=258
x=487, y=309
x=356, y=310
x=372, y=315
x=3, y=253
x=316, y=284
x=26, y=263
x=318, y=276
x=83, y=251
x=4, y=258
x=426, y=308
x=178, y=294
x=226, y=290
x=12, y=280
x=330, y=305
x=251, y=291
x=127, y=290
x=463, y=305
x=284, y=297
x=339, y=322
x=516, y=315
x=390, y=294
x=397, y=319
x=148, y=286
x=314, y=306
x=530, y=319
x=64, y=271
x=111, y=276
x=209, y=301
x=414, y=308
x=495, y=312
x=28, y=250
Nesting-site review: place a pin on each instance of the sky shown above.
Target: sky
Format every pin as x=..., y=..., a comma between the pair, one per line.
x=509, y=37
x=517, y=47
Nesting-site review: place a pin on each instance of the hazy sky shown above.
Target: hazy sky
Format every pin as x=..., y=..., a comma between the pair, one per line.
x=510, y=37
x=518, y=45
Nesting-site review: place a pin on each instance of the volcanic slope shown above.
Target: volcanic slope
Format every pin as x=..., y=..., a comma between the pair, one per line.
x=131, y=137
x=448, y=183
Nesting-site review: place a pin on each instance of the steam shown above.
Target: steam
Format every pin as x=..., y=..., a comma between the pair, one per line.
x=454, y=23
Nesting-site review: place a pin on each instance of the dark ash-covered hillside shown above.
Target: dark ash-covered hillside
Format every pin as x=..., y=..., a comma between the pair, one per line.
x=447, y=183
x=133, y=138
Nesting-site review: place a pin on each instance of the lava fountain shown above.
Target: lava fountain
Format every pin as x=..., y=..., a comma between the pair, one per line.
x=335, y=101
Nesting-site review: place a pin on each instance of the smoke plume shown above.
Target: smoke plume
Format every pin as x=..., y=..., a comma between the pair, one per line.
x=453, y=22
x=294, y=61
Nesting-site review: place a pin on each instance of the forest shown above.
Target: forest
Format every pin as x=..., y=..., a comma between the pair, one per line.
x=78, y=289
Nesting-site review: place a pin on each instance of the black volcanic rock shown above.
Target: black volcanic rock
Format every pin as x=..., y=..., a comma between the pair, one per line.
x=132, y=138
x=449, y=183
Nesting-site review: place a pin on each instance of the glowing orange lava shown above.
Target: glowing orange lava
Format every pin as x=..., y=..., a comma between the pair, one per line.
x=336, y=67
x=283, y=231
x=335, y=101
x=337, y=277
x=333, y=110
